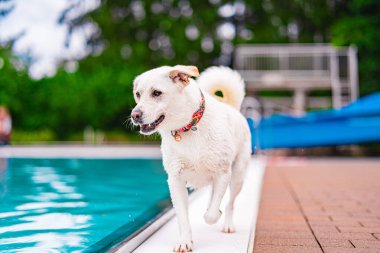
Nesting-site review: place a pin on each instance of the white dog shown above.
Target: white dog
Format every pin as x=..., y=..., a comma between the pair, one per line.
x=205, y=139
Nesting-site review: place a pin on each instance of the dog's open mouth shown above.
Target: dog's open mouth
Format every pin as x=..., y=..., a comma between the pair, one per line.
x=146, y=128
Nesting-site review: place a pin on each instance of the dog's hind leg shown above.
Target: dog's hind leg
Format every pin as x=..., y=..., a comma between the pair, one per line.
x=237, y=179
x=220, y=185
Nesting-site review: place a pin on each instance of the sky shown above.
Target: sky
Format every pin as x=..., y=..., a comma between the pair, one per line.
x=42, y=37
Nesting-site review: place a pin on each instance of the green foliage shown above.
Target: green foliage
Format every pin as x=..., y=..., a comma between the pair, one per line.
x=360, y=27
x=99, y=92
x=26, y=137
x=273, y=20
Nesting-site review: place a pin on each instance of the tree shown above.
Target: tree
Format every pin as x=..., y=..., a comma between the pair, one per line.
x=125, y=38
x=6, y=7
x=360, y=27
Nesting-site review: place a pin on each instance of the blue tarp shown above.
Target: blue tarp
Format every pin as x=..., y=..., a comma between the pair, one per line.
x=358, y=122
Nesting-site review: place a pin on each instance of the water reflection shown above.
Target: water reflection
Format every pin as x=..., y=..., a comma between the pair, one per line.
x=45, y=206
x=49, y=221
x=47, y=242
x=69, y=205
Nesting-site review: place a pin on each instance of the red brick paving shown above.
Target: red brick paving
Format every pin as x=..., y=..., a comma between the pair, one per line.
x=325, y=205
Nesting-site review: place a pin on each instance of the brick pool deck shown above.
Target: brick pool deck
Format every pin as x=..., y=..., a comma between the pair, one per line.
x=319, y=205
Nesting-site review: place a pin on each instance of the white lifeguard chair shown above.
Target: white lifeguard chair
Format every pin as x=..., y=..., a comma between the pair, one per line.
x=300, y=68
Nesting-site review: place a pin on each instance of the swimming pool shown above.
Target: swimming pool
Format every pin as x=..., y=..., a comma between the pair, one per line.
x=77, y=205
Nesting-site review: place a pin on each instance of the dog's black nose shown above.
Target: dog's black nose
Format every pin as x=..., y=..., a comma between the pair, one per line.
x=137, y=115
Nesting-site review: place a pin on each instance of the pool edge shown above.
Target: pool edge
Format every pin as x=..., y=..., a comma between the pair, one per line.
x=130, y=246
x=251, y=243
x=133, y=241
x=77, y=151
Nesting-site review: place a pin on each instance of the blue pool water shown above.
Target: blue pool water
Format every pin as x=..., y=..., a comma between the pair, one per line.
x=76, y=205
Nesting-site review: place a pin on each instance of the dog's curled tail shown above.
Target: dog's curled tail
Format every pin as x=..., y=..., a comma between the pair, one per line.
x=224, y=84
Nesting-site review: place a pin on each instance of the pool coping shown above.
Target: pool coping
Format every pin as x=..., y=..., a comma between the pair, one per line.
x=137, y=238
x=81, y=151
x=141, y=235
x=148, y=239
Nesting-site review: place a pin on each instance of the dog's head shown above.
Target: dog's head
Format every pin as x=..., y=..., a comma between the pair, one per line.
x=159, y=96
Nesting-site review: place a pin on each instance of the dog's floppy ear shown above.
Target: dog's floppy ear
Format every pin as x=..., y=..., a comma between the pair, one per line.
x=181, y=74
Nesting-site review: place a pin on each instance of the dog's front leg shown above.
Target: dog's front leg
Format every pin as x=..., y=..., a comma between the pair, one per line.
x=179, y=196
x=220, y=185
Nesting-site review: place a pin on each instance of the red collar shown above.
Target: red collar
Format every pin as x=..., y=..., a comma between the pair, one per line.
x=197, y=116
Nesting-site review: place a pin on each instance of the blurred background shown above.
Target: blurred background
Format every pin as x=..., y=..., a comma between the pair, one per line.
x=66, y=66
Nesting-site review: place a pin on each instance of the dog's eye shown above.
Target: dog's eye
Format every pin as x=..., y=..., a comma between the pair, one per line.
x=138, y=94
x=156, y=93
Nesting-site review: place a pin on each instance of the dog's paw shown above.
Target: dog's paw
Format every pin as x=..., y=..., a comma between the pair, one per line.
x=212, y=217
x=183, y=247
x=228, y=229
